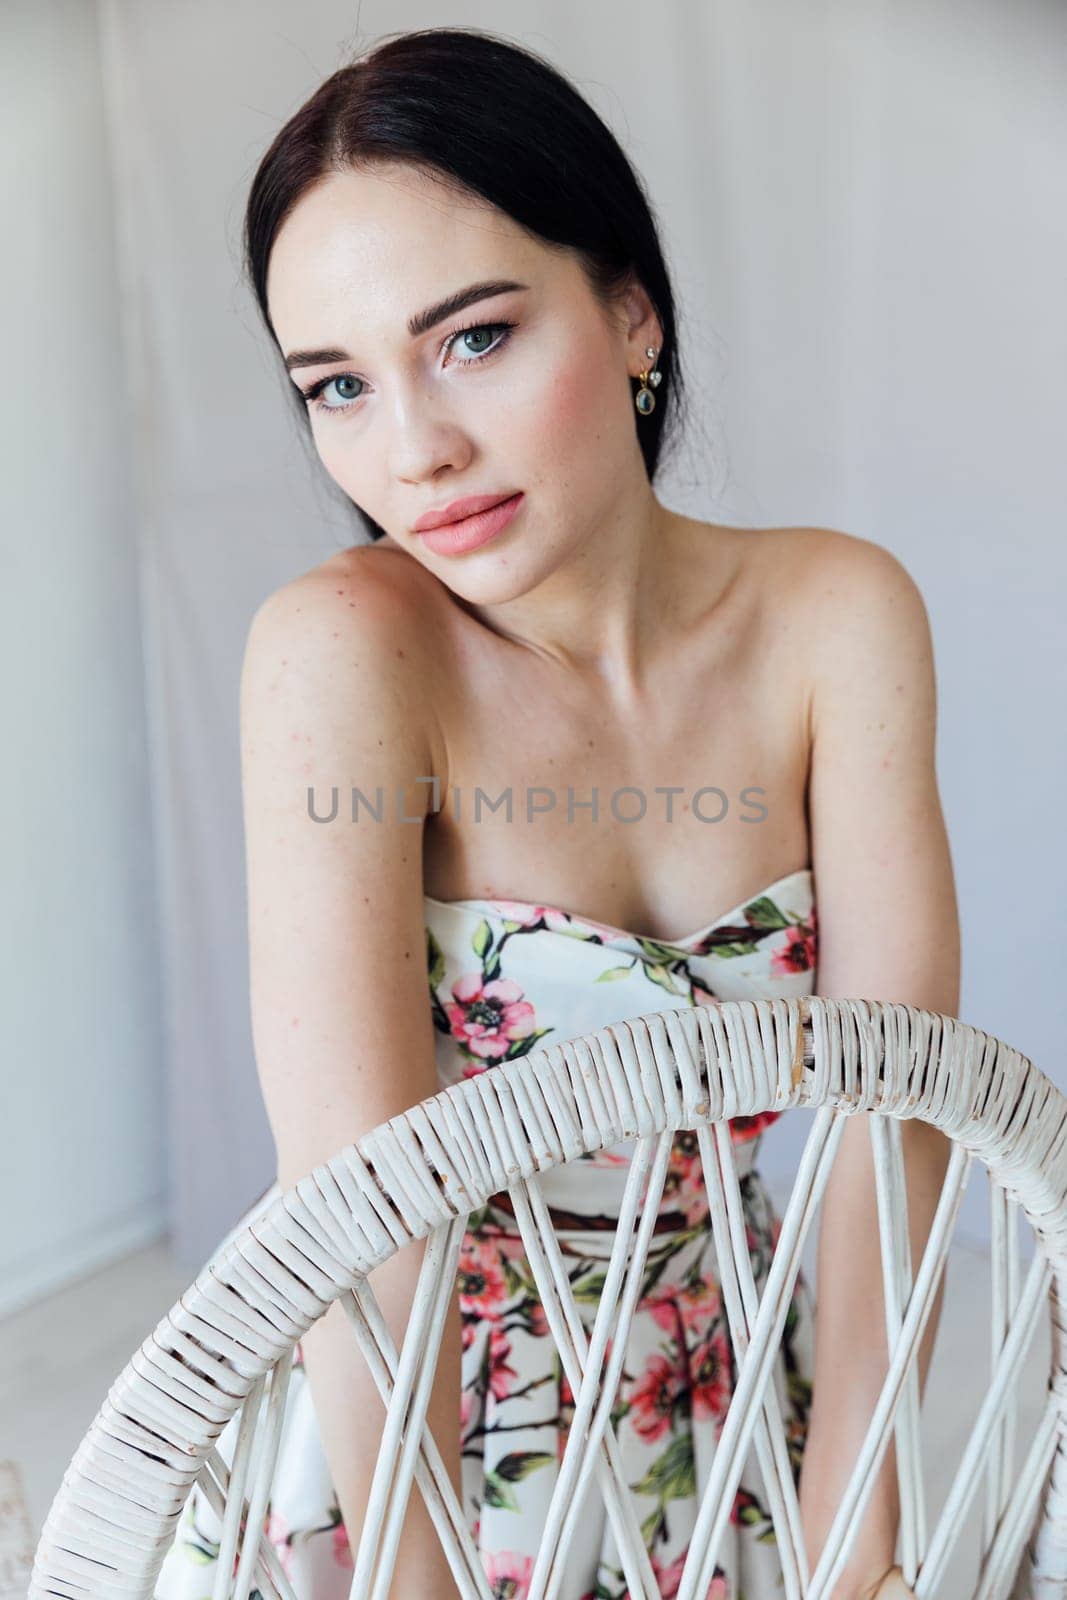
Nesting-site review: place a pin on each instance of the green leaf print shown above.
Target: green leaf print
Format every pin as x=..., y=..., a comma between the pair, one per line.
x=497, y=1493
x=481, y=938
x=737, y=947
x=765, y=913
x=588, y=1290
x=512, y=1469
x=521, y=1463
x=522, y=1047
x=516, y=1281
x=435, y=960
x=672, y=1476
x=651, y=1526
x=665, y=977
x=658, y=953
x=610, y=974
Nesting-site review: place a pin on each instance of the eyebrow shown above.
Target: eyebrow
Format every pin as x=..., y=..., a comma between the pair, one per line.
x=421, y=322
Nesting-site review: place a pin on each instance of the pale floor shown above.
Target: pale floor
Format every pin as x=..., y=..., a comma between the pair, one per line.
x=58, y=1360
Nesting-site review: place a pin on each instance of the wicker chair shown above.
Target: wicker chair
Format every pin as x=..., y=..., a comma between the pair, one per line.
x=423, y=1173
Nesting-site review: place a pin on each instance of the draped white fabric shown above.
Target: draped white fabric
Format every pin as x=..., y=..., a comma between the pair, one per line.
x=865, y=208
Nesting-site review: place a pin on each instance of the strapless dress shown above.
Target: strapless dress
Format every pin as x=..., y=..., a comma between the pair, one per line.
x=507, y=977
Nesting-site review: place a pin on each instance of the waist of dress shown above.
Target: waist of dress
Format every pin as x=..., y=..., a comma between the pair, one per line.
x=587, y=1198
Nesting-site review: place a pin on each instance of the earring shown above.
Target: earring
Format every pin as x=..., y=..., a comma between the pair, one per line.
x=644, y=399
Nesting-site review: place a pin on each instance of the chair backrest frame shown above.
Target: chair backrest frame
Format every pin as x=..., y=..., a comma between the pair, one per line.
x=226, y=1346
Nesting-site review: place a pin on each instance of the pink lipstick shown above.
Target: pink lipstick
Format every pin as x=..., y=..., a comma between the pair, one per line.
x=456, y=538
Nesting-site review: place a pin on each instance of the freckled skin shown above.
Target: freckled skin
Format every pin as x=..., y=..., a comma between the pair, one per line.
x=596, y=606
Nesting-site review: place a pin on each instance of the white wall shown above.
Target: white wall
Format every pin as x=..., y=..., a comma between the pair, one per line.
x=82, y=1150
x=866, y=209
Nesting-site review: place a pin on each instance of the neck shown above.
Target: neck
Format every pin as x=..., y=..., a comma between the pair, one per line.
x=607, y=610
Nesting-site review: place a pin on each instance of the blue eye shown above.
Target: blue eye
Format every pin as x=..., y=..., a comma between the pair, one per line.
x=316, y=390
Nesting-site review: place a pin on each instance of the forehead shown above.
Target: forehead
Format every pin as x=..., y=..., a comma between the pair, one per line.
x=375, y=245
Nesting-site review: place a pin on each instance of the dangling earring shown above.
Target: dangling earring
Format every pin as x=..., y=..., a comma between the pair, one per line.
x=644, y=399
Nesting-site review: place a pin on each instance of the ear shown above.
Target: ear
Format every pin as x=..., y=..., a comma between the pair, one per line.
x=642, y=325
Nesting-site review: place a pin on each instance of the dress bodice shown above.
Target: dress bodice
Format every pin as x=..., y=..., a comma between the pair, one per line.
x=508, y=976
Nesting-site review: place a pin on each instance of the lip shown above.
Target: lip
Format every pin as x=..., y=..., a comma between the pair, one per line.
x=490, y=513
x=459, y=510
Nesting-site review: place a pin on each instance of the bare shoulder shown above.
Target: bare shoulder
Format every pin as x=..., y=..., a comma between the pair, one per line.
x=334, y=704
x=351, y=640
x=359, y=591
x=851, y=598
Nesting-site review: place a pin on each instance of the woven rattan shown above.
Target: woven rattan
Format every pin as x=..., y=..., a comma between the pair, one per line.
x=226, y=1347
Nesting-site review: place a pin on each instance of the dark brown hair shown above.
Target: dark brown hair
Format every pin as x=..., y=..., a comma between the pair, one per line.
x=499, y=121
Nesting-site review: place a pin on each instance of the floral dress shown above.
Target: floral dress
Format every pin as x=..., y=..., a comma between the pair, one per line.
x=505, y=977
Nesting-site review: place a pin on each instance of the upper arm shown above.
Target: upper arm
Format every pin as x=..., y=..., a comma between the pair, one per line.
x=341, y=1021
x=888, y=924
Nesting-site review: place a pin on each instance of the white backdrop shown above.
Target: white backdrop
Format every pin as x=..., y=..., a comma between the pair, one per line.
x=865, y=205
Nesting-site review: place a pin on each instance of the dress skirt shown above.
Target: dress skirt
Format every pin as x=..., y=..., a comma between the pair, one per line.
x=677, y=1379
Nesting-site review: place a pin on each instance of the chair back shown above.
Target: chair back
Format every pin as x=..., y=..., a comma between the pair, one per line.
x=224, y=1350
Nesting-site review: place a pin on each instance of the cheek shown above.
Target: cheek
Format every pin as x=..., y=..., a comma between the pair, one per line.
x=578, y=412
x=339, y=462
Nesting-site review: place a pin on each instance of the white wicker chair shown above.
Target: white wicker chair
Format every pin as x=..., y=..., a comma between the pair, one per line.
x=424, y=1172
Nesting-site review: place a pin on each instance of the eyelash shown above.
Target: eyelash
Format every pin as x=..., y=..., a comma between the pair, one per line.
x=311, y=395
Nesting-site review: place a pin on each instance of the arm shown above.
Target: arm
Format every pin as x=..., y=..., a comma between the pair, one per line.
x=330, y=696
x=889, y=931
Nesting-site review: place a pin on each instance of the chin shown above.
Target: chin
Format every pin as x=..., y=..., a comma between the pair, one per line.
x=494, y=587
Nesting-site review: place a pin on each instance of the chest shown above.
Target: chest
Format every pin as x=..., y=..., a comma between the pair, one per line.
x=650, y=817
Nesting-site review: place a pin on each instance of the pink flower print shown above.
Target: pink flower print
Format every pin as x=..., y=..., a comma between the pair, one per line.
x=700, y=1302
x=538, y=1321
x=488, y=1017
x=277, y=1531
x=684, y=1189
x=528, y=915
x=797, y=953
x=679, y=1307
x=668, y=1580
x=521, y=911
x=654, y=1396
x=742, y=1128
x=342, y=1550
x=509, y=1573
x=662, y=1304
x=704, y=997
x=709, y=1367
x=480, y=1277
x=500, y=1374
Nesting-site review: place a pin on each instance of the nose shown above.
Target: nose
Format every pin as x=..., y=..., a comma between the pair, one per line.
x=424, y=437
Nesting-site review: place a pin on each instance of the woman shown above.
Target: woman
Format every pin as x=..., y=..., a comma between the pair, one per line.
x=463, y=276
